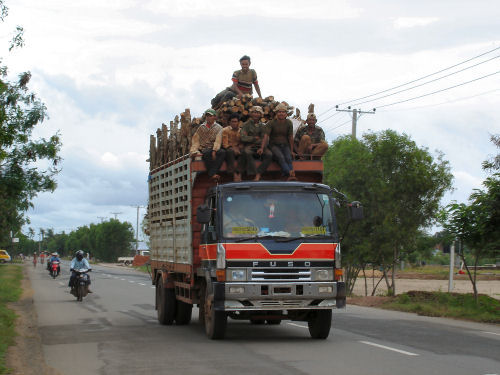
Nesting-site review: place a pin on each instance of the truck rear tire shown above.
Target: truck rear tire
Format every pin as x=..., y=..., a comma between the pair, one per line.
x=215, y=321
x=184, y=311
x=166, y=304
x=319, y=323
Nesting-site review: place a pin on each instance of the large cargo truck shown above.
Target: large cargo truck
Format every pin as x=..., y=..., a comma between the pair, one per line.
x=261, y=251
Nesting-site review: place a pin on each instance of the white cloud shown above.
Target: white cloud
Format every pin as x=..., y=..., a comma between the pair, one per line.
x=408, y=22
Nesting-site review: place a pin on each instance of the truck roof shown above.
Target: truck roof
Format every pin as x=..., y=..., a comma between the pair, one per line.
x=271, y=185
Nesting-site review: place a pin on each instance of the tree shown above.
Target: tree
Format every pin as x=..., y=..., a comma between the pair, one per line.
x=477, y=224
x=22, y=171
x=400, y=186
x=113, y=239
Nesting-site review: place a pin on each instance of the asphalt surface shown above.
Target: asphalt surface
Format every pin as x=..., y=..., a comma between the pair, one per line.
x=115, y=331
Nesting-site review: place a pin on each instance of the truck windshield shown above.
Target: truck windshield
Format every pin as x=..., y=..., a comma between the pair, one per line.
x=277, y=214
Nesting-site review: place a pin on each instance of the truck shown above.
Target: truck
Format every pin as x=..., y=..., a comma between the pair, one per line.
x=262, y=251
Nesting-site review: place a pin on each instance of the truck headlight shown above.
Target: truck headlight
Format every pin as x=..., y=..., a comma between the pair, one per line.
x=237, y=275
x=323, y=275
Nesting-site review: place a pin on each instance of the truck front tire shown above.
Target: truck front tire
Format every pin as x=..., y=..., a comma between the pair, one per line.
x=215, y=322
x=319, y=323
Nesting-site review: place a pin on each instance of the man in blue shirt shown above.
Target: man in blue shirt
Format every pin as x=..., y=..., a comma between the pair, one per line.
x=54, y=258
x=78, y=263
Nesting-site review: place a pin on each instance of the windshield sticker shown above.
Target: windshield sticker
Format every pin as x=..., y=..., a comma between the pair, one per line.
x=313, y=230
x=244, y=230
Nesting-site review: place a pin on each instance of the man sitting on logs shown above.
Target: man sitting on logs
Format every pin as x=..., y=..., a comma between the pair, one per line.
x=232, y=144
x=243, y=80
x=279, y=133
x=310, y=140
x=206, y=142
x=252, y=134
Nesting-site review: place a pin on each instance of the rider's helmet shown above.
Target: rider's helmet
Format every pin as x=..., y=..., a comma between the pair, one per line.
x=79, y=255
x=54, y=254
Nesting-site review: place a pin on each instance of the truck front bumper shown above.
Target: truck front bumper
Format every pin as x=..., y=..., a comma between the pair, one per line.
x=281, y=296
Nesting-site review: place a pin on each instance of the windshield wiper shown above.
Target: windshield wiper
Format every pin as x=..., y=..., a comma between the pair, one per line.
x=257, y=238
x=289, y=239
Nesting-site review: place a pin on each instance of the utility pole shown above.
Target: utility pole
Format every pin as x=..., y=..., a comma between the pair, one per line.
x=137, y=230
x=452, y=264
x=116, y=213
x=102, y=218
x=356, y=114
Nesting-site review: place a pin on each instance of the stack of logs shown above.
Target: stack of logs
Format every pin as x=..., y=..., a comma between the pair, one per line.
x=174, y=141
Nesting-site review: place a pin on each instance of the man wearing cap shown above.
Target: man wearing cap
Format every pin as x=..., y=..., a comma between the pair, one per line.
x=232, y=144
x=243, y=80
x=206, y=142
x=279, y=133
x=310, y=140
x=252, y=133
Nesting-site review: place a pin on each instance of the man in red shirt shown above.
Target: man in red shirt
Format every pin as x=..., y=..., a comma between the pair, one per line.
x=243, y=80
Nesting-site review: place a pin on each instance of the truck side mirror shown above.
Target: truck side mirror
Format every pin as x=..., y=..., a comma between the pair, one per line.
x=356, y=210
x=203, y=214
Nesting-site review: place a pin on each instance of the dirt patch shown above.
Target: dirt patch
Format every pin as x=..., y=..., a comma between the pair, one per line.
x=369, y=301
x=26, y=356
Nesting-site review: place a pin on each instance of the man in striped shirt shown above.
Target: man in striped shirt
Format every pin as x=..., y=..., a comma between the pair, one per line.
x=206, y=143
x=243, y=80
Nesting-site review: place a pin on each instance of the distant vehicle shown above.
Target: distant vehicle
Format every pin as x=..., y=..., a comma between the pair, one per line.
x=128, y=261
x=4, y=256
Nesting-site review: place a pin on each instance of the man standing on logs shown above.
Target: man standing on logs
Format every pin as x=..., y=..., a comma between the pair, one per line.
x=206, y=142
x=310, y=140
x=231, y=143
x=252, y=134
x=243, y=80
x=279, y=133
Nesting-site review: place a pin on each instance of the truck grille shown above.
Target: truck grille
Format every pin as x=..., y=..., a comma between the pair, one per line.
x=281, y=274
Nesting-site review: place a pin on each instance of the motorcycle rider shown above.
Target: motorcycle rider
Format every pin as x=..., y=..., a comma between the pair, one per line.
x=54, y=258
x=78, y=263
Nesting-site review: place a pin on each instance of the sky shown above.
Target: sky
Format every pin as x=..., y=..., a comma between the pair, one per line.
x=110, y=72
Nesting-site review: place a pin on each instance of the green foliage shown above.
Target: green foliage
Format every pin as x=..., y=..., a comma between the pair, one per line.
x=10, y=291
x=453, y=305
x=400, y=186
x=27, y=166
x=114, y=238
x=477, y=223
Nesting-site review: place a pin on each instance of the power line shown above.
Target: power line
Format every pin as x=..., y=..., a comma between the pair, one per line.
x=425, y=83
x=446, y=102
x=415, y=80
x=329, y=117
x=435, y=92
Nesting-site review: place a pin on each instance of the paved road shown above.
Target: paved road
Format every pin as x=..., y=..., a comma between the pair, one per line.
x=114, y=331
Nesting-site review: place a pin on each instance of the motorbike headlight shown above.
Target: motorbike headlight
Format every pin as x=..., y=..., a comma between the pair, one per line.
x=237, y=275
x=323, y=275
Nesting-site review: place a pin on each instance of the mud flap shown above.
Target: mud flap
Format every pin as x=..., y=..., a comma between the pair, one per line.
x=341, y=295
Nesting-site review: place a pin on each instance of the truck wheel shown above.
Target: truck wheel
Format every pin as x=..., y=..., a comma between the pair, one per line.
x=215, y=321
x=166, y=304
x=273, y=321
x=183, y=315
x=319, y=323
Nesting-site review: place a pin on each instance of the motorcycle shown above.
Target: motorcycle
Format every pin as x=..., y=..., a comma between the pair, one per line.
x=54, y=268
x=81, y=284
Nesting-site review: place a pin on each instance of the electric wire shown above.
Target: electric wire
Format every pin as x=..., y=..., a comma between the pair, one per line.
x=438, y=91
x=425, y=83
x=410, y=82
x=446, y=102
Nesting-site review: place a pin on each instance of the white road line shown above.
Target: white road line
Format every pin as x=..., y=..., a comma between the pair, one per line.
x=131, y=281
x=388, y=348
x=491, y=333
x=153, y=287
x=142, y=284
x=296, y=325
x=123, y=280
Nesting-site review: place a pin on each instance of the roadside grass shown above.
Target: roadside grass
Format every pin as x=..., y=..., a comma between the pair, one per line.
x=10, y=291
x=450, y=305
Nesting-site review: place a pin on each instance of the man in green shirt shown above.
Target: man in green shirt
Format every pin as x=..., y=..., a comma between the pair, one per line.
x=310, y=140
x=252, y=133
x=280, y=136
